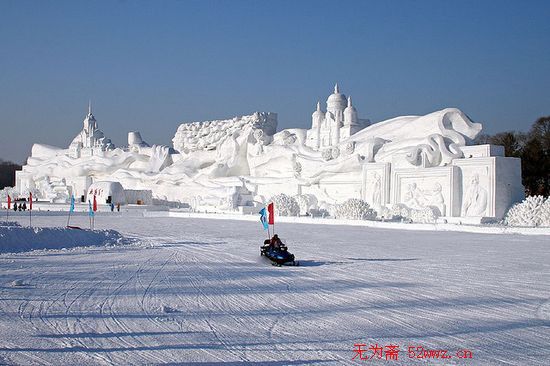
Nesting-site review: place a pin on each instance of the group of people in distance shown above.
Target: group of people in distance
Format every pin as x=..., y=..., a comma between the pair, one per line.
x=21, y=207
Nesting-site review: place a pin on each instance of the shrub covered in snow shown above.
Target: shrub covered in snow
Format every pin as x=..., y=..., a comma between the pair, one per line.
x=285, y=205
x=400, y=210
x=385, y=213
x=355, y=209
x=319, y=212
x=425, y=215
x=532, y=211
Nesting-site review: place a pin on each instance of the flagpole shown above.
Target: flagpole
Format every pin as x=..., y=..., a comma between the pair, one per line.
x=271, y=211
x=94, y=209
x=30, y=209
x=71, y=209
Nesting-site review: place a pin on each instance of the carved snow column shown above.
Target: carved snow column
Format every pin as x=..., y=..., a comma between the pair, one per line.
x=316, y=121
x=351, y=121
x=337, y=125
x=375, y=189
x=24, y=181
x=336, y=103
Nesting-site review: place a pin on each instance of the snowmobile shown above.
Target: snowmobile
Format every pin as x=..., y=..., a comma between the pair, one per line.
x=279, y=256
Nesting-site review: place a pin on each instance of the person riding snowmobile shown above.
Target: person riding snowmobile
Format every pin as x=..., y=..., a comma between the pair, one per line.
x=276, y=242
x=277, y=252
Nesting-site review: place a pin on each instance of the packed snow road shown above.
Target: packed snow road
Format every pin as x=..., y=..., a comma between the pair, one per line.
x=196, y=291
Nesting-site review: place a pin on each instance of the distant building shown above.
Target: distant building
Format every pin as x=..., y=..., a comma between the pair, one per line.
x=338, y=123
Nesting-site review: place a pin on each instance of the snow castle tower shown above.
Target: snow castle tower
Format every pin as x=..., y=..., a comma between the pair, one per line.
x=338, y=123
x=91, y=140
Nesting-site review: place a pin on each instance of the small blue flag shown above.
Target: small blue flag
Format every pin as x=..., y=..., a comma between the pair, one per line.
x=263, y=218
x=90, y=210
x=72, y=204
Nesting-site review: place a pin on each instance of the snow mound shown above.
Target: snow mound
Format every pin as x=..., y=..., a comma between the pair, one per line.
x=14, y=239
x=532, y=211
x=285, y=205
x=355, y=209
x=9, y=223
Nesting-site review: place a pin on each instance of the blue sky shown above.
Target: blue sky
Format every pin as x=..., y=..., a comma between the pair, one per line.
x=150, y=65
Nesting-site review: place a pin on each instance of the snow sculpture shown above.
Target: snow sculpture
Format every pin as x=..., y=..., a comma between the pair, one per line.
x=160, y=158
x=106, y=192
x=355, y=209
x=532, y=211
x=306, y=203
x=52, y=189
x=90, y=140
x=426, y=164
x=338, y=123
x=432, y=140
x=475, y=201
x=135, y=142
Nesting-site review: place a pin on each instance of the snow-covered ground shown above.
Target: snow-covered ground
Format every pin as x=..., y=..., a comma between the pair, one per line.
x=196, y=291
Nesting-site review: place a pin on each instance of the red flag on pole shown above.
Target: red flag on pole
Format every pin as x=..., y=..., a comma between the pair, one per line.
x=9, y=202
x=95, y=204
x=30, y=201
x=271, y=214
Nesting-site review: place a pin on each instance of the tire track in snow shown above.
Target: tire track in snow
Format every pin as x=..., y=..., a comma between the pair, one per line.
x=201, y=298
x=107, y=308
x=543, y=311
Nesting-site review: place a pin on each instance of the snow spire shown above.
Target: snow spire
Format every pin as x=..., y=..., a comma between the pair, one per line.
x=336, y=89
x=318, y=106
x=349, y=101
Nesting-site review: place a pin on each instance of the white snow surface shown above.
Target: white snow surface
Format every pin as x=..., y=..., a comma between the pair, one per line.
x=196, y=292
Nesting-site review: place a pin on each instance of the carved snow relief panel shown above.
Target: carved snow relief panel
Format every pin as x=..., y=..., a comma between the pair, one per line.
x=420, y=188
x=477, y=182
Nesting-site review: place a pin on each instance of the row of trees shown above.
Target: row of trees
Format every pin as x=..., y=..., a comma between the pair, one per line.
x=7, y=173
x=533, y=148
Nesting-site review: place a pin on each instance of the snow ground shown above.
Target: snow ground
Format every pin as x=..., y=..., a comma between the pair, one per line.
x=196, y=291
